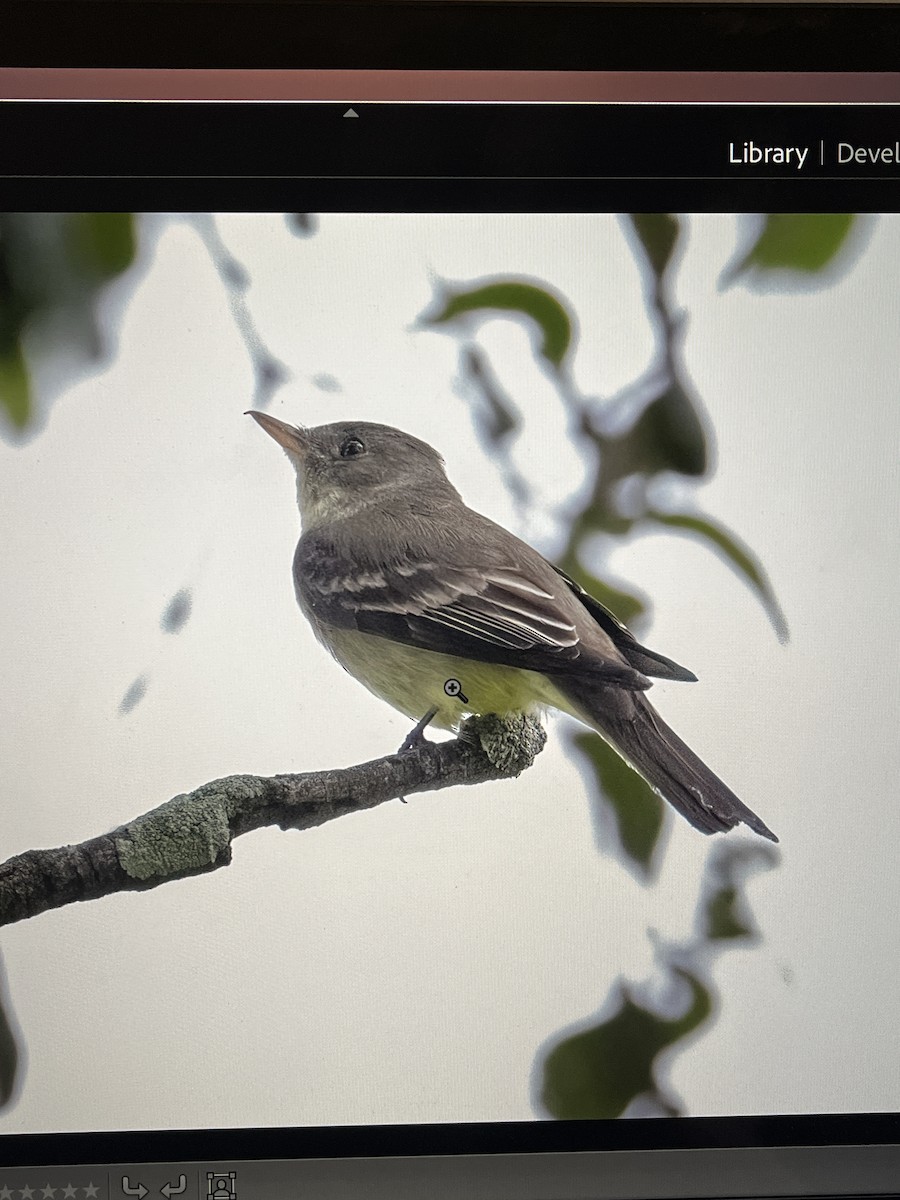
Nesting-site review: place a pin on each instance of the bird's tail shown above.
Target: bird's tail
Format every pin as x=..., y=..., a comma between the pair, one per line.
x=632, y=726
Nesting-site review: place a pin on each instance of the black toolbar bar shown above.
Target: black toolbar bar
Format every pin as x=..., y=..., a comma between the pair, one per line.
x=446, y=156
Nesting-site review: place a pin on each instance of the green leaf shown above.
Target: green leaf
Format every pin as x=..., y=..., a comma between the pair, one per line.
x=598, y=1073
x=669, y=435
x=101, y=244
x=722, y=915
x=513, y=296
x=15, y=387
x=52, y=268
x=637, y=808
x=738, y=555
x=658, y=234
x=803, y=243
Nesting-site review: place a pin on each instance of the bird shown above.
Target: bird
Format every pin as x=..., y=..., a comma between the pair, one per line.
x=444, y=614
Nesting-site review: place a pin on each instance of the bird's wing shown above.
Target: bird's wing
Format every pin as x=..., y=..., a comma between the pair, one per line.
x=490, y=614
x=646, y=661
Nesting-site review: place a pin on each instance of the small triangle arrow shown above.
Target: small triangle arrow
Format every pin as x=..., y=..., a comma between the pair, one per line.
x=351, y=113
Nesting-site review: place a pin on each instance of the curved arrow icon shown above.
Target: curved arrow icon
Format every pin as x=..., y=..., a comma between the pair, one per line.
x=171, y=1190
x=129, y=1190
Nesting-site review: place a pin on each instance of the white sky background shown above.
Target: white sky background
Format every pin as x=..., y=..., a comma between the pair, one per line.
x=406, y=964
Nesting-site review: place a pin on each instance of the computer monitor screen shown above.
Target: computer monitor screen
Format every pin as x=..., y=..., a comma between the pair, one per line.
x=546, y=786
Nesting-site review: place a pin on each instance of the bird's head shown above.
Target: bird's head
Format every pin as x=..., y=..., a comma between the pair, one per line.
x=351, y=465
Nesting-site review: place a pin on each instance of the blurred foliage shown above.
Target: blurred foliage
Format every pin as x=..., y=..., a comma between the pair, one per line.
x=605, y=1069
x=15, y=388
x=638, y=810
x=134, y=694
x=601, y=1071
x=665, y=433
x=177, y=612
x=723, y=917
x=536, y=302
x=9, y=1050
x=497, y=417
x=802, y=244
x=497, y=420
x=598, y=1073
x=669, y=435
x=658, y=234
x=302, y=224
x=736, y=555
x=268, y=371
x=723, y=913
x=53, y=270
x=53, y=267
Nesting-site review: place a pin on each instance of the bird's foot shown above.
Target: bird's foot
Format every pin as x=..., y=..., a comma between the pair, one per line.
x=416, y=736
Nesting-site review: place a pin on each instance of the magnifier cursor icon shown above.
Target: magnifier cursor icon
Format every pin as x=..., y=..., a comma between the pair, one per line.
x=454, y=688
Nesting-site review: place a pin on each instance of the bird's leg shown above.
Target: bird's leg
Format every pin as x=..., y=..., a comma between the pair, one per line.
x=416, y=736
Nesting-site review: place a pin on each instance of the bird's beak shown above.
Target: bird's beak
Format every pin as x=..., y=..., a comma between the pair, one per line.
x=289, y=436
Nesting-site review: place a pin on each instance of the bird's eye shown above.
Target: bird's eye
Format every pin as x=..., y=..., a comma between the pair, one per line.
x=352, y=447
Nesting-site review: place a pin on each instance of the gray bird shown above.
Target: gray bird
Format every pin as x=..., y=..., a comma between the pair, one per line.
x=443, y=614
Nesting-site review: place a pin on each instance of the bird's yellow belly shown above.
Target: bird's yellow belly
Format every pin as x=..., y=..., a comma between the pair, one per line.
x=414, y=681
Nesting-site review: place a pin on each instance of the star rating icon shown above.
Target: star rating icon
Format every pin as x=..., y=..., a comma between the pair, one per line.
x=48, y=1192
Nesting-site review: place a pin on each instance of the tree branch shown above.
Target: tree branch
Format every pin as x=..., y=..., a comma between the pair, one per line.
x=192, y=833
